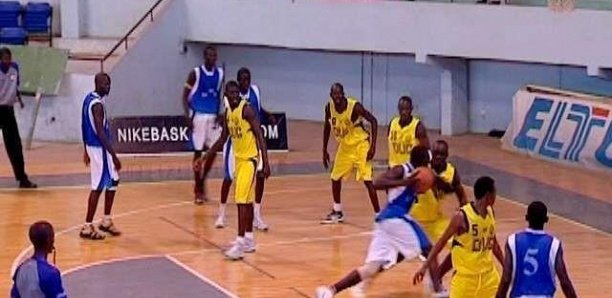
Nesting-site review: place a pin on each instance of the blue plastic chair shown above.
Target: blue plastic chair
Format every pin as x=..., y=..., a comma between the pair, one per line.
x=37, y=20
x=36, y=17
x=13, y=35
x=9, y=14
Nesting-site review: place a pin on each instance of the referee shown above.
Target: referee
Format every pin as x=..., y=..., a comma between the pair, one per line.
x=9, y=95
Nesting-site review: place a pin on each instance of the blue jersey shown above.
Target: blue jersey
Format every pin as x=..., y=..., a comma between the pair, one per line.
x=36, y=278
x=400, y=199
x=254, y=100
x=533, y=256
x=88, y=127
x=205, y=94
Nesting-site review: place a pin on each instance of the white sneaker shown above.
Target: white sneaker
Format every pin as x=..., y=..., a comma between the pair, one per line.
x=323, y=292
x=358, y=290
x=220, y=222
x=259, y=224
x=235, y=252
x=249, y=245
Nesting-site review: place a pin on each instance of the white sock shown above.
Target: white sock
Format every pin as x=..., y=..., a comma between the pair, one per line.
x=239, y=240
x=222, y=209
x=337, y=207
x=248, y=235
x=257, y=210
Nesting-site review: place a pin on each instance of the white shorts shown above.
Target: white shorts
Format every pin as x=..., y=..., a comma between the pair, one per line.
x=205, y=132
x=393, y=240
x=103, y=172
x=229, y=161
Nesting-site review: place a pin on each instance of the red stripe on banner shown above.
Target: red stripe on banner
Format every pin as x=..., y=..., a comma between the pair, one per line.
x=600, y=112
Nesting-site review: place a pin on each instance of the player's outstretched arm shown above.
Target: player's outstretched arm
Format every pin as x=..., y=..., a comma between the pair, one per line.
x=326, y=131
x=452, y=229
x=392, y=178
x=360, y=111
x=564, y=279
x=506, y=279
x=421, y=135
x=249, y=115
x=497, y=251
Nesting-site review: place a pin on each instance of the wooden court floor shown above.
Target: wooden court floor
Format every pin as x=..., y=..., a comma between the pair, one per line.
x=298, y=253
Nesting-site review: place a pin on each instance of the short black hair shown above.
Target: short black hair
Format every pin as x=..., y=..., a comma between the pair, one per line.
x=209, y=48
x=537, y=215
x=40, y=233
x=405, y=98
x=231, y=84
x=241, y=71
x=443, y=143
x=338, y=85
x=5, y=51
x=419, y=156
x=483, y=186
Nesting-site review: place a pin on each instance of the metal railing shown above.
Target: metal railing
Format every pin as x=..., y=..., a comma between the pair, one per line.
x=124, y=40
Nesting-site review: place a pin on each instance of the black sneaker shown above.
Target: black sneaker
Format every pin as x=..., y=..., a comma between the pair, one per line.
x=333, y=217
x=27, y=184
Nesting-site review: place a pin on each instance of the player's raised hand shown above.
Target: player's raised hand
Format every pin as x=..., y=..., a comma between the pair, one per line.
x=325, y=159
x=418, y=276
x=371, y=152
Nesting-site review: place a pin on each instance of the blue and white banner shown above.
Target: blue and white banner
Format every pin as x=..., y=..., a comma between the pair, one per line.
x=562, y=127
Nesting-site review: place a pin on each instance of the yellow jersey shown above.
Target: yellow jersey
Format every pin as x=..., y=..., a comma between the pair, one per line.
x=427, y=208
x=346, y=131
x=243, y=138
x=401, y=141
x=472, y=251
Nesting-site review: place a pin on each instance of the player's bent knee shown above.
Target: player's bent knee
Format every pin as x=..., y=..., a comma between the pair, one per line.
x=370, y=269
x=197, y=153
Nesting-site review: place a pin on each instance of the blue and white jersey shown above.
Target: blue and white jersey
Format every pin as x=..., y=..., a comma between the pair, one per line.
x=205, y=95
x=253, y=98
x=88, y=127
x=533, y=257
x=400, y=199
x=35, y=278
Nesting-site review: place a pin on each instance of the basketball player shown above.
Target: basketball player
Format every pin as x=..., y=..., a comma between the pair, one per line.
x=396, y=236
x=36, y=277
x=474, y=242
x=242, y=127
x=101, y=158
x=201, y=102
x=531, y=257
x=405, y=132
x=428, y=211
x=251, y=94
x=344, y=117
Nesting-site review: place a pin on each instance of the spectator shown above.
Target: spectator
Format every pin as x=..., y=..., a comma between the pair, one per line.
x=36, y=277
x=9, y=95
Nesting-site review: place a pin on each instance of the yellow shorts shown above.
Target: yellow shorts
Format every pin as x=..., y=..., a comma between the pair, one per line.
x=435, y=229
x=352, y=157
x=475, y=285
x=244, y=174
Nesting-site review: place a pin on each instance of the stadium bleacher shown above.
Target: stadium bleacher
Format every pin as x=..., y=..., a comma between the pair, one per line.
x=19, y=24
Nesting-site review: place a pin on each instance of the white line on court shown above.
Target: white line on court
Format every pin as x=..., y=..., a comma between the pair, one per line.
x=200, y=276
x=21, y=256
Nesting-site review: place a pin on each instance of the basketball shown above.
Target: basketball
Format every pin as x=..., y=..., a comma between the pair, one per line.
x=426, y=178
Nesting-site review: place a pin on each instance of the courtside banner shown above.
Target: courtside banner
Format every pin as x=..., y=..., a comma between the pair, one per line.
x=171, y=134
x=561, y=126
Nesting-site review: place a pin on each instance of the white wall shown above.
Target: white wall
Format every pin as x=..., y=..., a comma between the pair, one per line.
x=59, y=117
x=149, y=79
x=531, y=34
x=111, y=18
